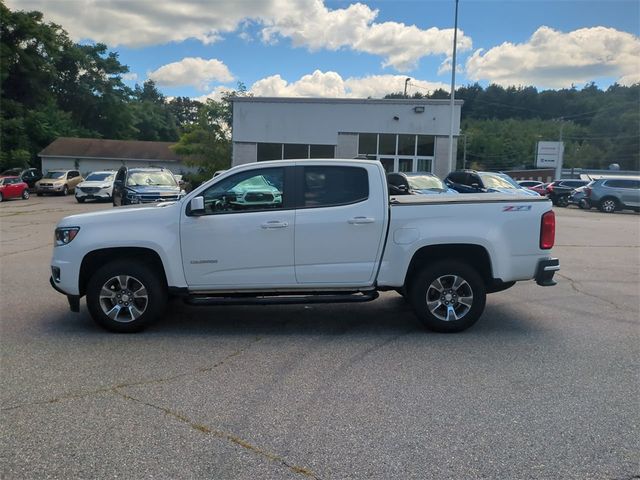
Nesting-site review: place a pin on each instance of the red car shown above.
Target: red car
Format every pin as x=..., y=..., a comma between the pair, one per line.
x=13, y=187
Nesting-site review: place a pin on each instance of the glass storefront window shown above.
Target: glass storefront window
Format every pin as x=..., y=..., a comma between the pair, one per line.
x=269, y=151
x=424, y=165
x=425, y=145
x=387, y=144
x=322, y=151
x=295, y=150
x=406, y=144
x=367, y=144
x=405, y=164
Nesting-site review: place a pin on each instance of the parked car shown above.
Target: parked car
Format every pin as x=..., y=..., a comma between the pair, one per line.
x=471, y=181
x=334, y=237
x=97, y=186
x=144, y=185
x=401, y=183
x=558, y=192
x=13, y=187
x=28, y=175
x=611, y=194
x=578, y=197
x=540, y=189
x=529, y=183
x=61, y=182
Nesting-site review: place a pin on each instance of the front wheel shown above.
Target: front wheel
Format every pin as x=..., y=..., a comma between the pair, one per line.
x=584, y=204
x=448, y=296
x=65, y=191
x=125, y=297
x=25, y=194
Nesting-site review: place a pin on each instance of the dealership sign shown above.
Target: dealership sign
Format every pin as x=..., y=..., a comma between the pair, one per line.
x=548, y=154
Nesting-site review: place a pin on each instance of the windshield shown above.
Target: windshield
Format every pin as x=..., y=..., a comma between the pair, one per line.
x=492, y=180
x=97, y=177
x=425, y=182
x=138, y=179
x=55, y=174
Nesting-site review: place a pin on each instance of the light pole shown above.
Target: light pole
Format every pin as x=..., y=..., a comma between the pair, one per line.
x=561, y=152
x=452, y=165
x=406, y=82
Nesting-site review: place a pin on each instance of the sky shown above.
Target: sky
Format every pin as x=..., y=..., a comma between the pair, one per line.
x=316, y=48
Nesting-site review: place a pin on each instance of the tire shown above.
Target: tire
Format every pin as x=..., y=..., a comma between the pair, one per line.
x=609, y=205
x=1, y=197
x=80, y=200
x=65, y=191
x=39, y=194
x=446, y=273
x=584, y=204
x=137, y=299
x=562, y=201
x=25, y=194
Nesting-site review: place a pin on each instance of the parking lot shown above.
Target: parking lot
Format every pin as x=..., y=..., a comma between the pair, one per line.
x=546, y=385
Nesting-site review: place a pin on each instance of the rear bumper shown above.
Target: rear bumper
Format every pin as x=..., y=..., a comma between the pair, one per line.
x=545, y=272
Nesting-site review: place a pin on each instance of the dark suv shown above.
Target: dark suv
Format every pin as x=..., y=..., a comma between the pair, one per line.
x=611, y=194
x=144, y=185
x=29, y=175
x=470, y=181
x=560, y=190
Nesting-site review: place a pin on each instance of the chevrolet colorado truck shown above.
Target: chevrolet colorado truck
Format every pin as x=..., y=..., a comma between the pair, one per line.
x=329, y=232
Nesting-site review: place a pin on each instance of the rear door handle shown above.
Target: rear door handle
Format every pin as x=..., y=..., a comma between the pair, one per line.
x=361, y=220
x=274, y=224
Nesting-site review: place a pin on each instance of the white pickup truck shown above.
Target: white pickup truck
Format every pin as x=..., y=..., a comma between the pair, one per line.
x=303, y=231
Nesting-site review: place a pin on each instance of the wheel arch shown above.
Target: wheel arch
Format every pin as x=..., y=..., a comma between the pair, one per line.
x=476, y=256
x=97, y=258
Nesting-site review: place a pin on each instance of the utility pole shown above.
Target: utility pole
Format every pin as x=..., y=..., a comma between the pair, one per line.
x=406, y=82
x=452, y=164
x=560, y=153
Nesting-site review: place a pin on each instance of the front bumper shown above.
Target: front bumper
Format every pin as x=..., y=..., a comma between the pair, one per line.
x=74, y=300
x=545, y=272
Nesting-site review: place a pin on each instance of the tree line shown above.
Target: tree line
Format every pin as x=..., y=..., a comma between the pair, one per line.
x=52, y=87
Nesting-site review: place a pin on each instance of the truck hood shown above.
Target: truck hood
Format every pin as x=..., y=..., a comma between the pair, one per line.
x=120, y=217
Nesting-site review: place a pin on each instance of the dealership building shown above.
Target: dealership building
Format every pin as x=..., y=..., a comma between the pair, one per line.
x=406, y=135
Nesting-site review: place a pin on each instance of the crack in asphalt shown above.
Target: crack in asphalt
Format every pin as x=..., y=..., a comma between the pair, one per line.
x=223, y=435
x=155, y=381
x=574, y=285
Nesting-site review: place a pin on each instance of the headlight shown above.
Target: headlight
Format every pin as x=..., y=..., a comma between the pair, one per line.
x=64, y=235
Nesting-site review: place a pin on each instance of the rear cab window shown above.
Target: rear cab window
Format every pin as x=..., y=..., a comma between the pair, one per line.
x=326, y=186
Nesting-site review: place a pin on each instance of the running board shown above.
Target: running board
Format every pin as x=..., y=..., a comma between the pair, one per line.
x=282, y=300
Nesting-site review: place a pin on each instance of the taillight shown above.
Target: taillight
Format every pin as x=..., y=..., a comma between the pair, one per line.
x=587, y=192
x=547, y=230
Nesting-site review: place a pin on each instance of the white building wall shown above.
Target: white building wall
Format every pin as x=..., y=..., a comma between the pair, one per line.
x=347, y=145
x=441, y=156
x=244, y=153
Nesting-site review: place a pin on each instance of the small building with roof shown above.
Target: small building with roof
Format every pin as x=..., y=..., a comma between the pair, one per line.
x=92, y=154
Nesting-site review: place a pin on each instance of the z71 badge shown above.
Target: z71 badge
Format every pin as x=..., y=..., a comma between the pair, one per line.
x=516, y=208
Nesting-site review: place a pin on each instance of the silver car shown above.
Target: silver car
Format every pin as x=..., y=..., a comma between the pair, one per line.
x=611, y=194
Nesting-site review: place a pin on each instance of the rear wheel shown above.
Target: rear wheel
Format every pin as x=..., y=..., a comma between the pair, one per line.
x=25, y=194
x=125, y=297
x=608, y=205
x=584, y=204
x=448, y=296
x=562, y=201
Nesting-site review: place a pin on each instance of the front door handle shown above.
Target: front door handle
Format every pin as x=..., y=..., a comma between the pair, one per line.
x=361, y=220
x=274, y=224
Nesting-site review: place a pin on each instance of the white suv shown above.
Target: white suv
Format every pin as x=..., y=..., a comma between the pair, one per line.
x=97, y=186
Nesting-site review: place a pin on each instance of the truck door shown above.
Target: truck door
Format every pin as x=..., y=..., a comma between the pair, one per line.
x=339, y=224
x=244, y=239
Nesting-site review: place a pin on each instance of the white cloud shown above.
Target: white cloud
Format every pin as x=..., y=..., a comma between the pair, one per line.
x=307, y=23
x=332, y=85
x=131, y=76
x=216, y=94
x=191, y=71
x=554, y=59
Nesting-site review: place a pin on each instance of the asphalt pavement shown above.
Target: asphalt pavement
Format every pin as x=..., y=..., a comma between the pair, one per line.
x=545, y=385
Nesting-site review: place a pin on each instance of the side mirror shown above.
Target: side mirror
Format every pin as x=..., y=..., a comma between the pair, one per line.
x=196, y=206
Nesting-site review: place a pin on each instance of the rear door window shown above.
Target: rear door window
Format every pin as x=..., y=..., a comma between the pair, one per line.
x=326, y=186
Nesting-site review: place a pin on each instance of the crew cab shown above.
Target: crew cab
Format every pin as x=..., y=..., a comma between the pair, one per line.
x=331, y=233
